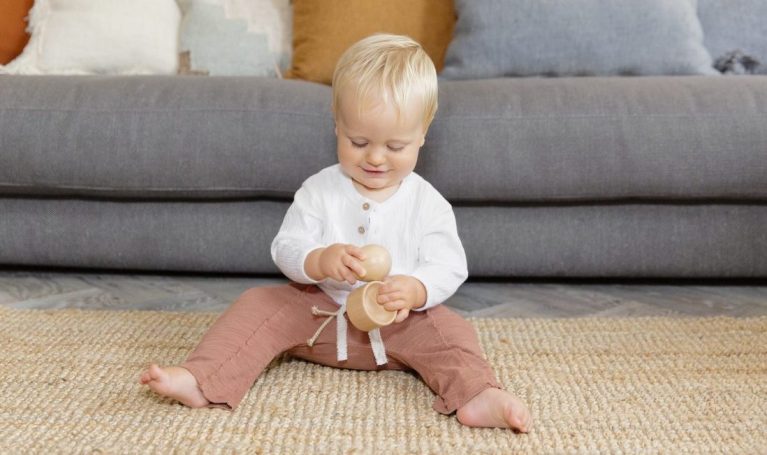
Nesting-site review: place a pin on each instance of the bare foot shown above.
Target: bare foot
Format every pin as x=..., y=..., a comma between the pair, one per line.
x=174, y=382
x=496, y=408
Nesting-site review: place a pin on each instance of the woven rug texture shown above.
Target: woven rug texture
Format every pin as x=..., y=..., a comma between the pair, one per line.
x=69, y=383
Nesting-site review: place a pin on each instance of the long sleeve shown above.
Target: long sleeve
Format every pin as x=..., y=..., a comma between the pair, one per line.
x=441, y=258
x=300, y=234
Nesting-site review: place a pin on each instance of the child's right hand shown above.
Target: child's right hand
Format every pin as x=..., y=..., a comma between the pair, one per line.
x=341, y=262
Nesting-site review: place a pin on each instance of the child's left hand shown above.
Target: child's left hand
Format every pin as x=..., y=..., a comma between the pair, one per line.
x=401, y=293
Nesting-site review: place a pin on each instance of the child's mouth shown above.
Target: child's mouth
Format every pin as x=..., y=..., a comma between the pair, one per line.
x=373, y=173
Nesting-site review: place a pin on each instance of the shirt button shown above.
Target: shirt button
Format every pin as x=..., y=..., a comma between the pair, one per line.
x=361, y=230
x=365, y=206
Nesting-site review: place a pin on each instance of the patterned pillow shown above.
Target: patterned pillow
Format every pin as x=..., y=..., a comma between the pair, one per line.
x=234, y=37
x=324, y=29
x=576, y=38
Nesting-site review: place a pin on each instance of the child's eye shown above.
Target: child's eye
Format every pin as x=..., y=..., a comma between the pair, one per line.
x=364, y=144
x=395, y=149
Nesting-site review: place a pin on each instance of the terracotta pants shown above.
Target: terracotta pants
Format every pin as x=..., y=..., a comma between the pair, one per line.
x=265, y=322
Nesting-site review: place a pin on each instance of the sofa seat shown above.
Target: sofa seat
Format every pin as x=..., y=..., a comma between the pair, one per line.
x=638, y=240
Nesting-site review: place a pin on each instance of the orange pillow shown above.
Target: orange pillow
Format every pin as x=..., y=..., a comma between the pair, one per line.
x=324, y=29
x=13, y=38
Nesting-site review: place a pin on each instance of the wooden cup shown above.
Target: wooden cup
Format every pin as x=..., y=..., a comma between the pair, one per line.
x=364, y=311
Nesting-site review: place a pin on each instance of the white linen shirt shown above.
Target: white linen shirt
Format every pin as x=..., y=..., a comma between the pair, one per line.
x=416, y=225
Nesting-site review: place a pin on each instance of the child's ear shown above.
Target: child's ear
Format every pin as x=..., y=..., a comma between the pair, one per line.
x=335, y=129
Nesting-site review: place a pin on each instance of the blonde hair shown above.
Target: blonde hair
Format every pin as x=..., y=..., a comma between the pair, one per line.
x=387, y=65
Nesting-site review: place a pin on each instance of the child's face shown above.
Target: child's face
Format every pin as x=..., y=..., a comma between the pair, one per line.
x=375, y=148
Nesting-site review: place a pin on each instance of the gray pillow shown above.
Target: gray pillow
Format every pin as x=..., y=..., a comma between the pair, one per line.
x=732, y=27
x=495, y=38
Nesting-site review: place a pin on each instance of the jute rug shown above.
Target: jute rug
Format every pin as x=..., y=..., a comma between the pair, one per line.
x=68, y=383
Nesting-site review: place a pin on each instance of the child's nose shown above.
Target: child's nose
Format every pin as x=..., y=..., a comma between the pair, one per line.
x=376, y=156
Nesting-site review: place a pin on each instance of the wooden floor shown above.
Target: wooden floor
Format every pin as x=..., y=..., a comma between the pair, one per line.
x=99, y=290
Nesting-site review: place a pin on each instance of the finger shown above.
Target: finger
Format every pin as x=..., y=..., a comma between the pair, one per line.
x=390, y=297
x=395, y=305
x=348, y=276
x=402, y=315
x=388, y=288
x=338, y=273
x=356, y=252
x=352, y=264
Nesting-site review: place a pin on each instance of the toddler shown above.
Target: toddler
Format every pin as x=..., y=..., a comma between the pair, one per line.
x=384, y=99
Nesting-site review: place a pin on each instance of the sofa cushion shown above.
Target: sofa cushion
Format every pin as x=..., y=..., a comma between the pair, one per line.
x=500, y=140
x=162, y=137
x=582, y=139
x=324, y=29
x=574, y=38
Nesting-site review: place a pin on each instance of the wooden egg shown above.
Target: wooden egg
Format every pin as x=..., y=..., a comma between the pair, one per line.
x=363, y=308
x=377, y=263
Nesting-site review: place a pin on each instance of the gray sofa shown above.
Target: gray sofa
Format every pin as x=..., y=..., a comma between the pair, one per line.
x=549, y=177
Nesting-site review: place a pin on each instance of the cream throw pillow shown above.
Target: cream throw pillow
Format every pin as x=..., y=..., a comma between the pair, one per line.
x=100, y=37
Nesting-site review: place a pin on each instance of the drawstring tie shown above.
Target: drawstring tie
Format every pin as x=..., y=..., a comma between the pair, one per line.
x=376, y=342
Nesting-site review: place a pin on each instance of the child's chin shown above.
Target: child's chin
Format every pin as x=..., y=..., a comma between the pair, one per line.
x=372, y=184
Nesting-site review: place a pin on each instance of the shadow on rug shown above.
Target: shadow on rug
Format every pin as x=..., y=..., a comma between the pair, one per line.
x=68, y=379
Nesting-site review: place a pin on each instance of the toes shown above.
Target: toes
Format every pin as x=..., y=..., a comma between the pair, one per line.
x=524, y=422
x=517, y=423
x=156, y=373
x=519, y=418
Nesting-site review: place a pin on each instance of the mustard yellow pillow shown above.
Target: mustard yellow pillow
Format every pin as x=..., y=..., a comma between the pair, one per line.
x=324, y=29
x=13, y=38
